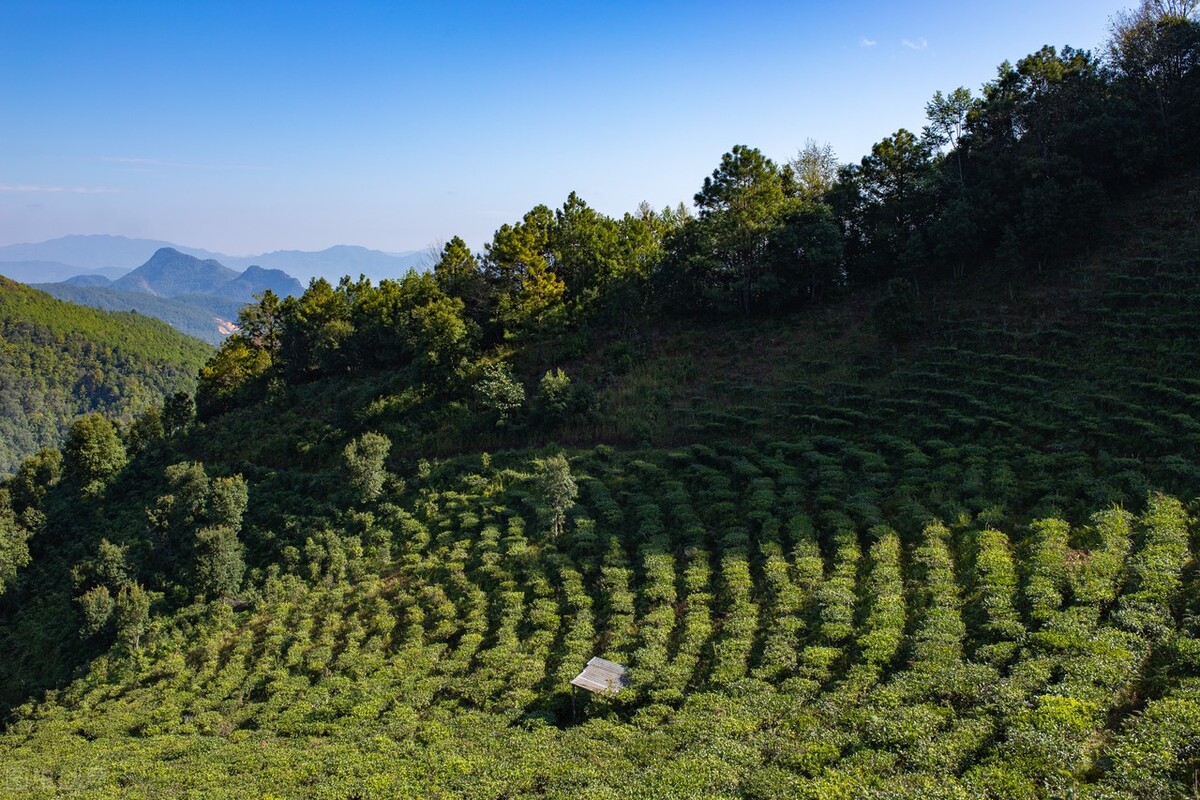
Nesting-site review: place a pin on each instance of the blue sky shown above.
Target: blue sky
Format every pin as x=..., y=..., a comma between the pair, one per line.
x=247, y=127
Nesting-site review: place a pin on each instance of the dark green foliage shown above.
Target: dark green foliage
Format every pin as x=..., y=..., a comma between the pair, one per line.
x=61, y=361
x=805, y=257
x=1055, y=215
x=498, y=392
x=573, y=267
x=230, y=375
x=219, y=564
x=1156, y=50
x=131, y=613
x=411, y=322
x=92, y=452
x=108, y=567
x=365, y=459
x=557, y=489
x=897, y=314
x=241, y=368
x=195, y=529
x=178, y=411
x=559, y=400
x=739, y=206
x=227, y=501
x=408, y=324
x=36, y=476
x=753, y=248
x=886, y=203
x=145, y=429
x=14, y=549
x=96, y=605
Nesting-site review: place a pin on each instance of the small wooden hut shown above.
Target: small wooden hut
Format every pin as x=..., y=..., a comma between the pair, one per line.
x=602, y=677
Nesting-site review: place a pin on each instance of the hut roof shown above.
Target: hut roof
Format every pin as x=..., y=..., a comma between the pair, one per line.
x=602, y=676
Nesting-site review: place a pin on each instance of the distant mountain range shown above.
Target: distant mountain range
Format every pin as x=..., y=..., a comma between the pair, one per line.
x=90, y=253
x=197, y=291
x=112, y=256
x=170, y=273
x=53, y=271
x=334, y=262
x=200, y=297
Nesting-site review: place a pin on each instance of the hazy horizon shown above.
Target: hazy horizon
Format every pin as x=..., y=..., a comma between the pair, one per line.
x=214, y=252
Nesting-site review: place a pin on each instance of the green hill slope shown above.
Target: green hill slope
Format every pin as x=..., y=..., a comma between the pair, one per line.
x=58, y=361
x=204, y=317
x=834, y=567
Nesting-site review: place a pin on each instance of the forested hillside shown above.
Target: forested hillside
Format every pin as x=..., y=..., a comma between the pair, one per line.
x=58, y=361
x=881, y=480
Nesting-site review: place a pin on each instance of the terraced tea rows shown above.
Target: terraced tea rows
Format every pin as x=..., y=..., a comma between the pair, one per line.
x=792, y=643
x=1090, y=403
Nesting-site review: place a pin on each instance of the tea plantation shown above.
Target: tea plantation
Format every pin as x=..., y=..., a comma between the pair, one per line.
x=945, y=569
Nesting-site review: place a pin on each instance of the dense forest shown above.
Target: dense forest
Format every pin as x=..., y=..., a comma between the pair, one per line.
x=881, y=478
x=58, y=361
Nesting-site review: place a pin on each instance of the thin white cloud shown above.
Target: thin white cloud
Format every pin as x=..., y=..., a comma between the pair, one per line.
x=128, y=160
x=916, y=44
x=138, y=164
x=865, y=42
x=30, y=187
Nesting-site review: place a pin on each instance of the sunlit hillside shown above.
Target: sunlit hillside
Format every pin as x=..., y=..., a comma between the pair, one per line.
x=880, y=480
